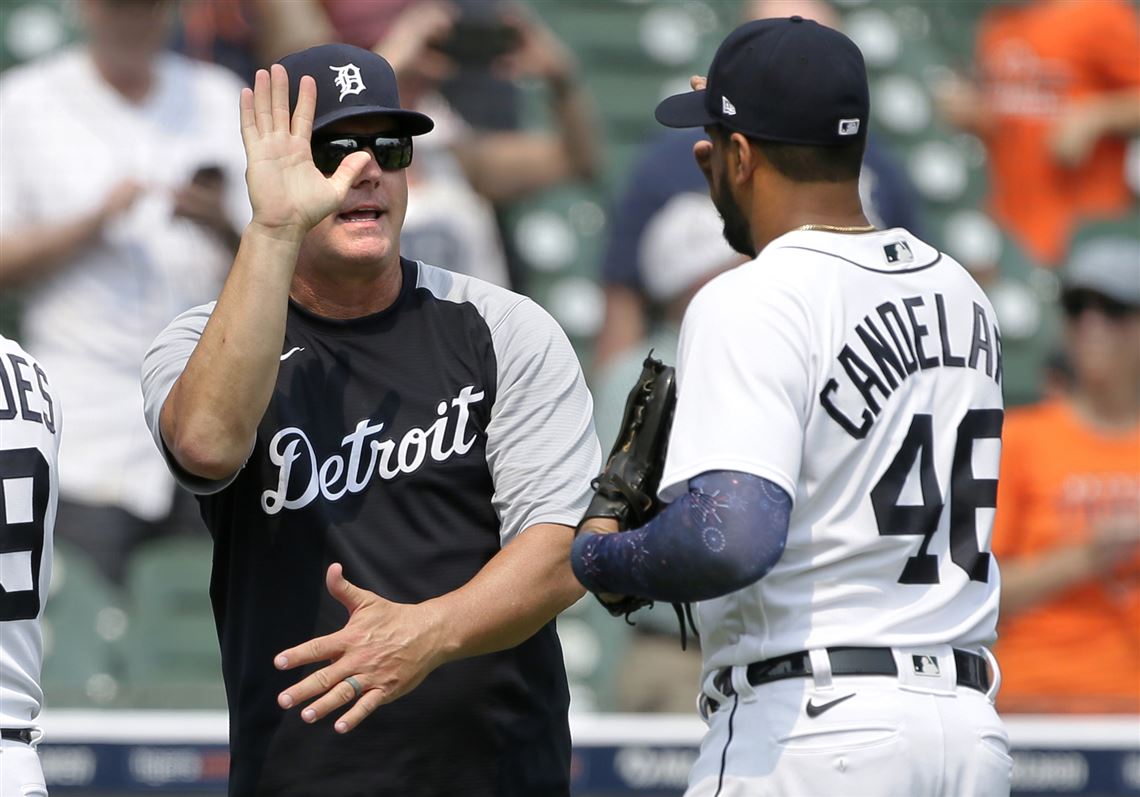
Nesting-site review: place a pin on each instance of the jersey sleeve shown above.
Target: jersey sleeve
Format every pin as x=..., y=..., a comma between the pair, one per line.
x=743, y=377
x=542, y=450
x=162, y=365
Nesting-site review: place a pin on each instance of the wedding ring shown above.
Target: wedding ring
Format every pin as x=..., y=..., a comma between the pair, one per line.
x=357, y=689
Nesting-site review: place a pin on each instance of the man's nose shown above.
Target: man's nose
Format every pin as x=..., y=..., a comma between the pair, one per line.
x=372, y=171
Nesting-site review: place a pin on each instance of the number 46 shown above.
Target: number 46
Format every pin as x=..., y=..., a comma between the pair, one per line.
x=967, y=494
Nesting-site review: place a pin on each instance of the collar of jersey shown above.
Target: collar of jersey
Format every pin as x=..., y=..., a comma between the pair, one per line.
x=375, y=322
x=859, y=249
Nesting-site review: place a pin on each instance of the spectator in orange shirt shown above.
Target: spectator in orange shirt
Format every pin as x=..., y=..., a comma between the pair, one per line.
x=1058, y=95
x=1067, y=530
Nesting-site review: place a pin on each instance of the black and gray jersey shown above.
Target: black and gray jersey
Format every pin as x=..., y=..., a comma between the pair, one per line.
x=410, y=446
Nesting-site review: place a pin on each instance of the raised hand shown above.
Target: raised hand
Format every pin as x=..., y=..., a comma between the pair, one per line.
x=118, y=201
x=288, y=193
x=409, y=44
x=388, y=648
x=540, y=53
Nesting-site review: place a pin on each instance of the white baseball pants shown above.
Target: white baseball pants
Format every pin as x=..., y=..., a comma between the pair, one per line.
x=911, y=735
x=20, y=772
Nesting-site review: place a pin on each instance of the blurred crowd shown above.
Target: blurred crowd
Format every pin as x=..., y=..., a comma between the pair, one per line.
x=122, y=198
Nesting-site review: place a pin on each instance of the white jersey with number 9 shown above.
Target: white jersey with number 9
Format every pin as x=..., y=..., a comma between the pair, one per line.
x=29, y=490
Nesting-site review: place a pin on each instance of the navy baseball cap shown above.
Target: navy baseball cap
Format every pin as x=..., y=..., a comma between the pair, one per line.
x=788, y=80
x=351, y=82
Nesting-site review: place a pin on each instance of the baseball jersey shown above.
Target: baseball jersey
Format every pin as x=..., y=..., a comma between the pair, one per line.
x=861, y=374
x=409, y=445
x=30, y=424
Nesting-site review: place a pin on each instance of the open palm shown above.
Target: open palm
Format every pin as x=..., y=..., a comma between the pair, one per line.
x=288, y=193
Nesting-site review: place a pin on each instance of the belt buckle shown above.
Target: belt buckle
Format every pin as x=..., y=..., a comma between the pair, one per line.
x=22, y=735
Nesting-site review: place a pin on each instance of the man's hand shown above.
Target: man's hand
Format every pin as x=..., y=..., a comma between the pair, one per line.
x=1114, y=544
x=203, y=202
x=288, y=193
x=119, y=200
x=409, y=44
x=702, y=150
x=540, y=53
x=1075, y=133
x=389, y=648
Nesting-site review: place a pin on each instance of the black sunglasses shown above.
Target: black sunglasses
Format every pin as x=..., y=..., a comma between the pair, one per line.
x=391, y=153
x=1076, y=302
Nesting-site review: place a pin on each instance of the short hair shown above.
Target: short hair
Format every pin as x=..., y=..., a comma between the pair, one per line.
x=805, y=163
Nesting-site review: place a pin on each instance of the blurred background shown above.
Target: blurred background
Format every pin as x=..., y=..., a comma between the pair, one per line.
x=1004, y=133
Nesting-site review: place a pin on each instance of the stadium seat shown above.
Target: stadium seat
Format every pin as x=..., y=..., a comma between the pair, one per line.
x=172, y=647
x=84, y=622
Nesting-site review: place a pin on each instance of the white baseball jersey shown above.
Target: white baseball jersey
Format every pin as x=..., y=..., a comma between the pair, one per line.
x=29, y=489
x=861, y=374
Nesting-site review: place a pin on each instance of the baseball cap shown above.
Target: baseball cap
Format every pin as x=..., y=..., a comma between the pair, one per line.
x=351, y=82
x=683, y=243
x=1109, y=266
x=788, y=80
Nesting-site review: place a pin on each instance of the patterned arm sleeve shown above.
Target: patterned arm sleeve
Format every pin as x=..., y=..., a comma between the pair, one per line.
x=725, y=533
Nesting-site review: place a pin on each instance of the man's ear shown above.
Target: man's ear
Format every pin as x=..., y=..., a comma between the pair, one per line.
x=742, y=159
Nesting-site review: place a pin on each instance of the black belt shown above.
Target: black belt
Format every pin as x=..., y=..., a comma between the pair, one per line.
x=16, y=735
x=971, y=667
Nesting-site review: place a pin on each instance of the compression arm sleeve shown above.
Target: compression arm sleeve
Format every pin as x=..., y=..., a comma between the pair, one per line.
x=726, y=532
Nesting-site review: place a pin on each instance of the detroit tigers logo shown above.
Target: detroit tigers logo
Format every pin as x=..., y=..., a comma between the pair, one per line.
x=348, y=80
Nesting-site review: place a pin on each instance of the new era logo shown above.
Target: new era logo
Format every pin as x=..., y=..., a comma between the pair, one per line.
x=726, y=106
x=848, y=127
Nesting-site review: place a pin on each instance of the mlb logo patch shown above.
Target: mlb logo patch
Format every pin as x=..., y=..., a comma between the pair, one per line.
x=848, y=127
x=926, y=665
x=727, y=107
x=898, y=252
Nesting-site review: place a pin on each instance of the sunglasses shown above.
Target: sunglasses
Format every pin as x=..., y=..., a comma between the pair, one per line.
x=1075, y=303
x=391, y=153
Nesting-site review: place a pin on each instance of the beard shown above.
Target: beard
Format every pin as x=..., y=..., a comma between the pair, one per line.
x=736, y=228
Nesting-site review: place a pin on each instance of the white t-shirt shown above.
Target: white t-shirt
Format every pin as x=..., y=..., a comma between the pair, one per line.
x=30, y=425
x=447, y=222
x=855, y=372
x=66, y=139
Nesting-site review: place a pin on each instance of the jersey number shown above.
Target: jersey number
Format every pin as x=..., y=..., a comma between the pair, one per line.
x=967, y=494
x=24, y=491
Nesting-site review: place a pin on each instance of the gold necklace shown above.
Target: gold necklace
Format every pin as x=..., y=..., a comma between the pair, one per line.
x=833, y=228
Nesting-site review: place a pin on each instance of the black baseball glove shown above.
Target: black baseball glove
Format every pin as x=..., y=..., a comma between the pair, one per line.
x=626, y=489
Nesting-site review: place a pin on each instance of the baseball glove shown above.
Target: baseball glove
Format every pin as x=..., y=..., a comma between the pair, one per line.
x=626, y=489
